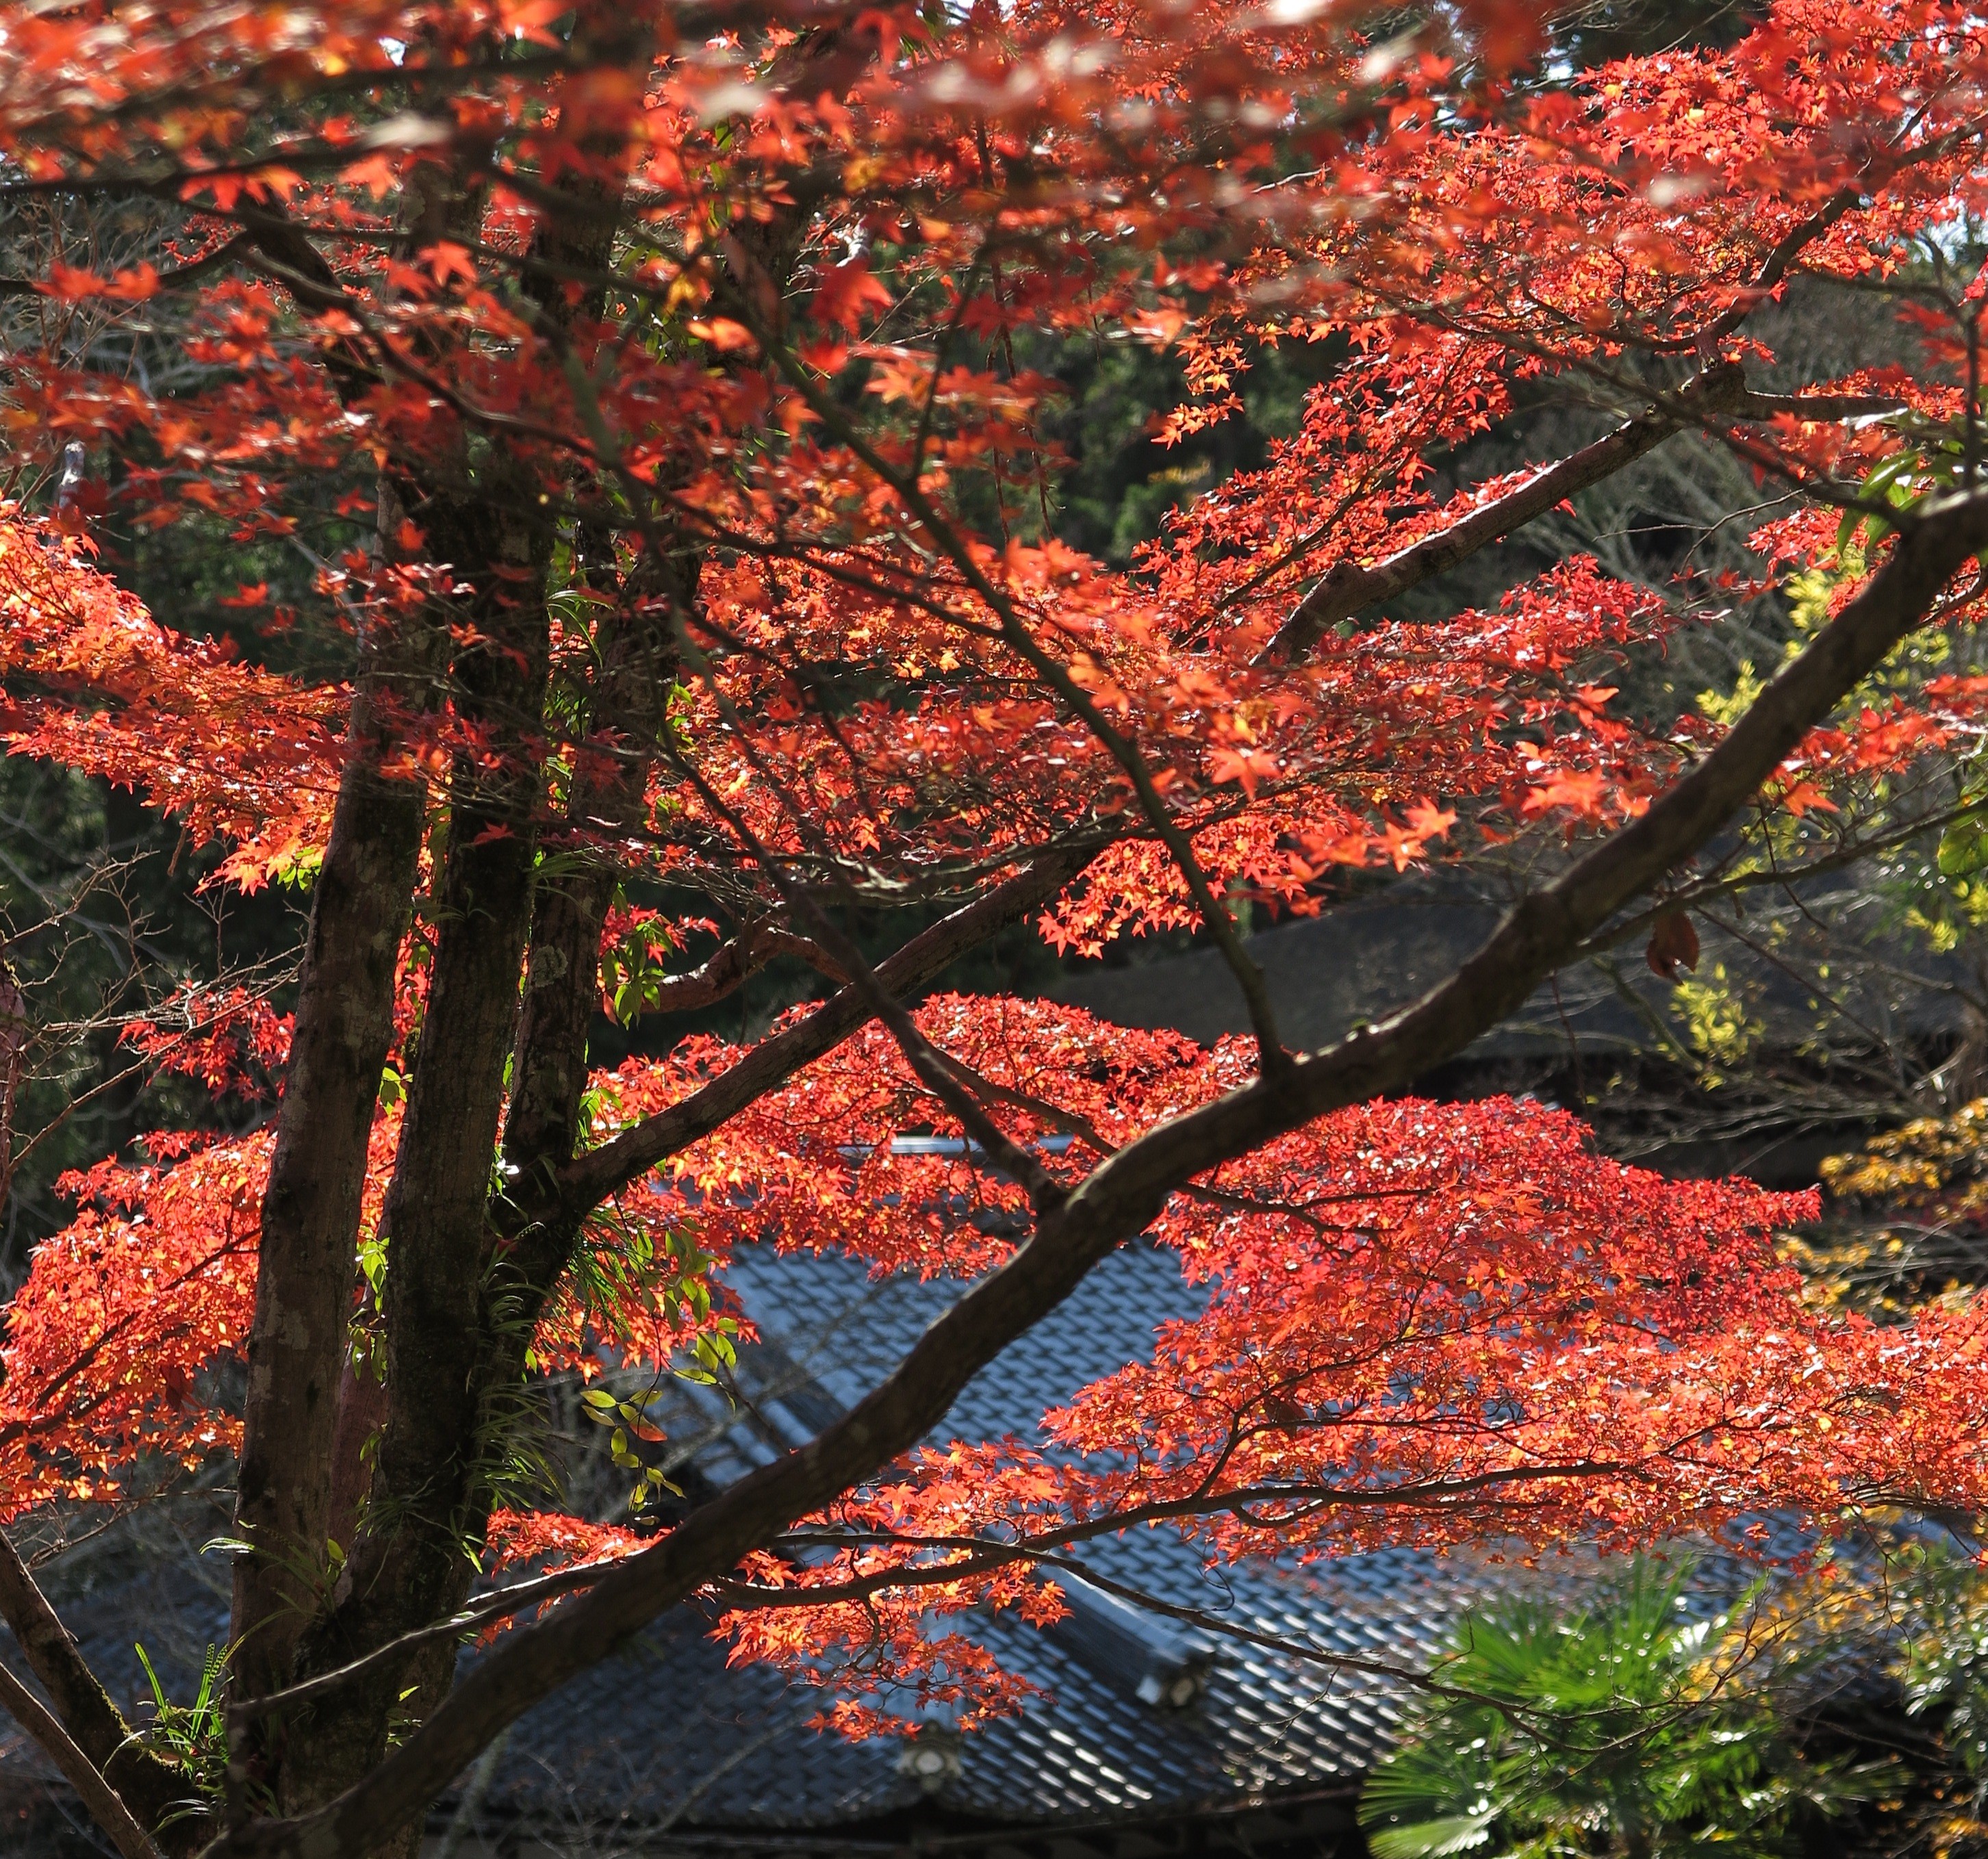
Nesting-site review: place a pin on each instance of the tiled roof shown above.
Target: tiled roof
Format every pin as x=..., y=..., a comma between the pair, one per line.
x=667, y=1738
x=667, y=1732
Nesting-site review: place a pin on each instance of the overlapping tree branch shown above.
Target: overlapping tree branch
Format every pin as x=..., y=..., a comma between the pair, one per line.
x=1123, y=1193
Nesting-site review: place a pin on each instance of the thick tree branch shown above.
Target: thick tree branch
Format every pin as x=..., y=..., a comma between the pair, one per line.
x=1346, y=587
x=767, y=943
x=1720, y=391
x=593, y=1177
x=1820, y=409
x=105, y=1806
x=978, y=1556
x=310, y=1210
x=1124, y=1195
x=733, y=963
x=83, y=1708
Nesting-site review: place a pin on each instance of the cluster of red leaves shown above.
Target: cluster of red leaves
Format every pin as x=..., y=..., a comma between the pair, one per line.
x=1450, y=263
x=230, y=1040
x=1426, y=1321
x=236, y=753
x=151, y=1283
x=517, y=1536
x=1277, y=778
x=1432, y=1321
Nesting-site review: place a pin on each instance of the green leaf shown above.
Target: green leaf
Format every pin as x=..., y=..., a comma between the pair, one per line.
x=1431, y=1839
x=1881, y=486
x=1963, y=848
x=151, y=1677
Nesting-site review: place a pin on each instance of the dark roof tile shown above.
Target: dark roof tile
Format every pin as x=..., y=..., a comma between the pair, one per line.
x=673, y=1732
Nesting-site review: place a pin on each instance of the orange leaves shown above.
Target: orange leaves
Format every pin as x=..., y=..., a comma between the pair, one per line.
x=1446, y=1309
x=896, y=711
x=844, y=292
x=1398, y=846
x=1427, y=821
x=1406, y=1319
x=265, y=184
x=1249, y=766
x=515, y=1536
x=1159, y=326
x=68, y=284
x=1583, y=793
x=152, y=1282
x=727, y=337
x=233, y=752
x=445, y=259
x=376, y=174
x=233, y=1042
x=1434, y=1322
x=828, y=1158
x=109, y=1344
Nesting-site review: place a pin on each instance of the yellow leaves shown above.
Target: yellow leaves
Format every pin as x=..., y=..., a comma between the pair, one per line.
x=1727, y=708
x=1924, y=1156
x=1717, y=1021
x=1880, y=1176
x=1811, y=593
x=684, y=291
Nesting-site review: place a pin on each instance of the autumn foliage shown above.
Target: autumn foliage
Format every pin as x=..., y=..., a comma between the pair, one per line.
x=657, y=396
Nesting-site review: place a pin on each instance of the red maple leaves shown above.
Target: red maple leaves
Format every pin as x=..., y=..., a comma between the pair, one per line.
x=1423, y=1320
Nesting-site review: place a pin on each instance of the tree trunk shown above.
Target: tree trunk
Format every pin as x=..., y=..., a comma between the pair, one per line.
x=306, y=1282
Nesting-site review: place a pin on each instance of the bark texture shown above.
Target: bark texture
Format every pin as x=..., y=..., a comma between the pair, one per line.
x=311, y=1208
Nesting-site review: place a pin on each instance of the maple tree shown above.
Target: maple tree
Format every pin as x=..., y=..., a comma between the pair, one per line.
x=644, y=388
